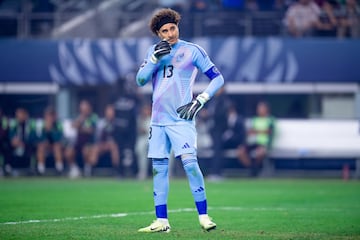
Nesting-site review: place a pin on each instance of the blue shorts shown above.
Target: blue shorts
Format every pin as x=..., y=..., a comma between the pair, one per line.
x=181, y=138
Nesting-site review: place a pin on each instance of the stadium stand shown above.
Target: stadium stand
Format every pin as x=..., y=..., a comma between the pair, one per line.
x=128, y=18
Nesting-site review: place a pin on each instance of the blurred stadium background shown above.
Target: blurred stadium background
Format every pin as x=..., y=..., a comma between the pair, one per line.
x=58, y=52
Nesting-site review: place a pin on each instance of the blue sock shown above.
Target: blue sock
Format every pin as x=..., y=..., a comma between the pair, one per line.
x=161, y=211
x=197, y=185
x=161, y=185
x=201, y=207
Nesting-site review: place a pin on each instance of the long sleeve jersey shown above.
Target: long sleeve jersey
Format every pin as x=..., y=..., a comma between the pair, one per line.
x=173, y=78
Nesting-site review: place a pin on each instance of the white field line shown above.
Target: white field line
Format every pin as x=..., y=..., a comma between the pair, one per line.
x=180, y=210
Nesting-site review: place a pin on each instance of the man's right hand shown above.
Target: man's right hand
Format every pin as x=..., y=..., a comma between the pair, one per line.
x=162, y=48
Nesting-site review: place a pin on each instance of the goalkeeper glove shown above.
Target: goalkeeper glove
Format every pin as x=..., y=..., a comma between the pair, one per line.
x=189, y=111
x=162, y=48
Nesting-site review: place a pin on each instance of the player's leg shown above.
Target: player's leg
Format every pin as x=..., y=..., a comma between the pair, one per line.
x=183, y=141
x=243, y=156
x=141, y=152
x=159, y=148
x=87, y=151
x=253, y=154
x=161, y=186
x=40, y=156
x=30, y=156
x=260, y=154
x=111, y=147
x=217, y=159
x=197, y=187
x=96, y=151
x=70, y=155
x=6, y=152
x=115, y=154
x=58, y=155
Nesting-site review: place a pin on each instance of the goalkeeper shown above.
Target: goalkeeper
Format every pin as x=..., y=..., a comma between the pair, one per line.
x=172, y=65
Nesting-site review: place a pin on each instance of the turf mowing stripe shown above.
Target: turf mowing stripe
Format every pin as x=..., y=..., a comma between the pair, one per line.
x=67, y=219
x=180, y=210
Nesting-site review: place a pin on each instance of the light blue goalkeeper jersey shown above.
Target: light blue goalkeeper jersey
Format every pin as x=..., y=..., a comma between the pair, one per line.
x=173, y=79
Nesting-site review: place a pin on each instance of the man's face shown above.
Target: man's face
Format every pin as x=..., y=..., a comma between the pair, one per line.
x=262, y=110
x=85, y=108
x=49, y=117
x=21, y=115
x=169, y=32
x=110, y=112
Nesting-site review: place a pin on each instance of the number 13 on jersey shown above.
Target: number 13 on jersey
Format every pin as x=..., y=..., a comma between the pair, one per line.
x=168, y=71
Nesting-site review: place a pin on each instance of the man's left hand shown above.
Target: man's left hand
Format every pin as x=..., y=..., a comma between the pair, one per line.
x=190, y=110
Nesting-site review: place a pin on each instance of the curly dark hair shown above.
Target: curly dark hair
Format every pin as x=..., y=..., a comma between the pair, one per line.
x=162, y=14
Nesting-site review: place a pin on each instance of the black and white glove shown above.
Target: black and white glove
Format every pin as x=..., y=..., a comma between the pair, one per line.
x=189, y=111
x=162, y=48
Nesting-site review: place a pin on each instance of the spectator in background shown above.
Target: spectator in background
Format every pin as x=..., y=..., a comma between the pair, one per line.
x=143, y=141
x=85, y=125
x=260, y=138
x=23, y=139
x=218, y=112
x=51, y=137
x=125, y=105
x=106, y=140
x=328, y=21
x=5, y=146
x=302, y=18
x=349, y=19
x=234, y=136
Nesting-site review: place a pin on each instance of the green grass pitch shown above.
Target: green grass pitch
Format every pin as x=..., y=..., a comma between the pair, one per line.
x=243, y=209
